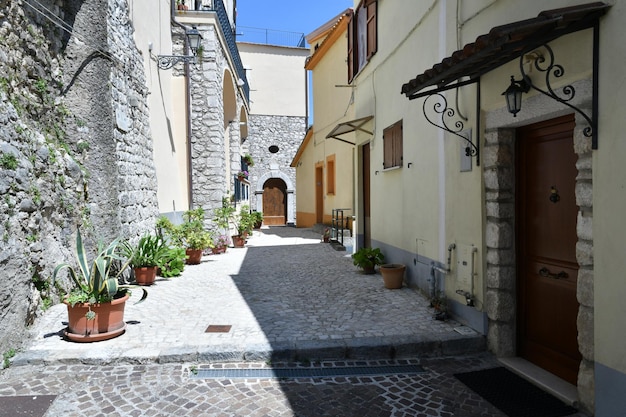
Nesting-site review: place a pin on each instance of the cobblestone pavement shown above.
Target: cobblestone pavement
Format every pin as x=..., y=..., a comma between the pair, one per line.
x=288, y=298
x=170, y=390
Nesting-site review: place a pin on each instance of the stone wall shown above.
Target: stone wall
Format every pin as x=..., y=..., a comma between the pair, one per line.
x=285, y=132
x=68, y=156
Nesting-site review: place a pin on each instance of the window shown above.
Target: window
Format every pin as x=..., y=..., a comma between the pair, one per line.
x=392, y=148
x=362, y=37
x=330, y=174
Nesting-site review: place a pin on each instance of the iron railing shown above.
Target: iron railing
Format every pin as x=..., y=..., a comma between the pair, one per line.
x=270, y=37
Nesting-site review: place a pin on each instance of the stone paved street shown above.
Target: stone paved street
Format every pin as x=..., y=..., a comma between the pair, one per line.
x=291, y=301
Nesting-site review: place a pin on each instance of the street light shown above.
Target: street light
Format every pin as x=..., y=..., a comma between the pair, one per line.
x=194, y=38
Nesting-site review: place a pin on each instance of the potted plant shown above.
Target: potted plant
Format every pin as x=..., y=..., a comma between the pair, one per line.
x=190, y=234
x=224, y=215
x=244, y=222
x=146, y=257
x=393, y=275
x=440, y=303
x=367, y=259
x=258, y=219
x=173, y=262
x=242, y=175
x=95, y=307
x=248, y=158
x=326, y=235
x=220, y=243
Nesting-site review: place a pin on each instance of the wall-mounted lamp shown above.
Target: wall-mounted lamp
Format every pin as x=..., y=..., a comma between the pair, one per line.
x=193, y=40
x=513, y=95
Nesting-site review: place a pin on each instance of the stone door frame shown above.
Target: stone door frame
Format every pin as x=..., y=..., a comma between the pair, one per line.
x=499, y=193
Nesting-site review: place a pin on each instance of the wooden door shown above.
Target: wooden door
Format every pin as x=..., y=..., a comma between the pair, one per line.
x=274, y=202
x=319, y=194
x=546, y=247
x=367, y=235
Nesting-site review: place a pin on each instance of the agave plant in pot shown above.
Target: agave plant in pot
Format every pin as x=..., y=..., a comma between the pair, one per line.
x=146, y=257
x=95, y=307
x=367, y=259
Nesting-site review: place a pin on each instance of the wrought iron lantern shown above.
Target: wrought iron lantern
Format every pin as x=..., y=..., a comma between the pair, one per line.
x=194, y=38
x=513, y=95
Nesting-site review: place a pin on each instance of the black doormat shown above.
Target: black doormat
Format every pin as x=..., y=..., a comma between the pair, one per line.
x=513, y=395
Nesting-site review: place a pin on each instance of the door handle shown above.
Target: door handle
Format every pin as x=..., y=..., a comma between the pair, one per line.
x=545, y=272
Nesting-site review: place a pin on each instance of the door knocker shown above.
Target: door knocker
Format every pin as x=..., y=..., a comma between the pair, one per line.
x=554, y=195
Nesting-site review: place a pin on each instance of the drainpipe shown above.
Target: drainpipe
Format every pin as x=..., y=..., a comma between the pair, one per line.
x=187, y=106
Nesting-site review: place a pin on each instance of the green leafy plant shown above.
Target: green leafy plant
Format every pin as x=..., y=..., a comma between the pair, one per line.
x=8, y=161
x=224, y=215
x=190, y=234
x=368, y=258
x=149, y=251
x=248, y=158
x=96, y=281
x=173, y=262
x=6, y=357
x=258, y=219
x=244, y=221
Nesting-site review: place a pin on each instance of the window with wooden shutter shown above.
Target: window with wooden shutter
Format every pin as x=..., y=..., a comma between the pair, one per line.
x=392, y=145
x=362, y=37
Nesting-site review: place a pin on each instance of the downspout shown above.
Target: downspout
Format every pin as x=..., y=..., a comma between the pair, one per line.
x=186, y=74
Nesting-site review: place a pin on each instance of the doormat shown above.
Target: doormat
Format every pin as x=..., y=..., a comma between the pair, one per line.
x=25, y=405
x=218, y=328
x=513, y=395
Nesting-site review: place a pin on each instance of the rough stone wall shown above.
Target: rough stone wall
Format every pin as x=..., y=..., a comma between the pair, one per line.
x=208, y=141
x=287, y=133
x=63, y=162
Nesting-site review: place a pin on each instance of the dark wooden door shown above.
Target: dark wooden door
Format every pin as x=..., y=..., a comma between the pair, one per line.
x=546, y=247
x=319, y=194
x=367, y=236
x=274, y=202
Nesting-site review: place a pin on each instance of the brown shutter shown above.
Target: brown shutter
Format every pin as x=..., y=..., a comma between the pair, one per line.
x=351, y=49
x=372, y=36
x=397, y=141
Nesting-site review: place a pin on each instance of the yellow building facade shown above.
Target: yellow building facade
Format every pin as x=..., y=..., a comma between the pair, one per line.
x=513, y=217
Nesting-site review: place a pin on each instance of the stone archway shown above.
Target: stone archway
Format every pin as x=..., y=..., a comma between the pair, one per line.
x=290, y=203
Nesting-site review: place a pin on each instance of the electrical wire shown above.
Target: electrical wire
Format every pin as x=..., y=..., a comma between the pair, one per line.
x=58, y=22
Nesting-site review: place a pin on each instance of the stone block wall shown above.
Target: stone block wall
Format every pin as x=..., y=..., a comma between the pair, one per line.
x=68, y=156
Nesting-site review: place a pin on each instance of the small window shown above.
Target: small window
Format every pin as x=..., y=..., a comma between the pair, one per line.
x=273, y=149
x=330, y=174
x=392, y=149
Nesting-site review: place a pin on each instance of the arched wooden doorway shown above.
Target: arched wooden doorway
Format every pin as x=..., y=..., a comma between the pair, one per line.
x=274, y=202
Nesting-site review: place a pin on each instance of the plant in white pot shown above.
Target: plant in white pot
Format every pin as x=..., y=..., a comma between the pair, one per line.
x=95, y=307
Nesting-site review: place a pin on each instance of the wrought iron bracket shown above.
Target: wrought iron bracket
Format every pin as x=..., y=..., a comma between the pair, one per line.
x=168, y=61
x=446, y=116
x=546, y=64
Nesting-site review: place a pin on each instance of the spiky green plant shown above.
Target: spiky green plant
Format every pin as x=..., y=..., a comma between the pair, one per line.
x=97, y=282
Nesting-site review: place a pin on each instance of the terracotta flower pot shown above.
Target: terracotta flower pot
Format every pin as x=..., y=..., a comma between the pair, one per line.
x=108, y=323
x=194, y=256
x=218, y=249
x=393, y=275
x=145, y=275
x=239, y=241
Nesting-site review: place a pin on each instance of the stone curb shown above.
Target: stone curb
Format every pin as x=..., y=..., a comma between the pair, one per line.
x=302, y=351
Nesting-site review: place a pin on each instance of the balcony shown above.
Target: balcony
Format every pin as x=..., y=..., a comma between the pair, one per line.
x=217, y=7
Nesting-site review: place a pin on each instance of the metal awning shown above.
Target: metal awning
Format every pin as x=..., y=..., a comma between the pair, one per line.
x=348, y=127
x=503, y=44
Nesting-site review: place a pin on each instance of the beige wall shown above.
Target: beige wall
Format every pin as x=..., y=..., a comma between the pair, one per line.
x=421, y=209
x=166, y=102
x=331, y=105
x=277, y=79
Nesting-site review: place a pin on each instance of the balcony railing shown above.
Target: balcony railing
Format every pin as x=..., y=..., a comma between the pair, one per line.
x=270, y=37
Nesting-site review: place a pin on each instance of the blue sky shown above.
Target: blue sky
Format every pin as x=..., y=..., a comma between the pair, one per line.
x=287, y=15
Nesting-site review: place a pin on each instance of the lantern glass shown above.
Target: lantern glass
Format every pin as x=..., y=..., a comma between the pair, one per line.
x=194, y=38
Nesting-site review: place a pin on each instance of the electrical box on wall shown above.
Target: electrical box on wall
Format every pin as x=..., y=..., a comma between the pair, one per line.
x=465, y=268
